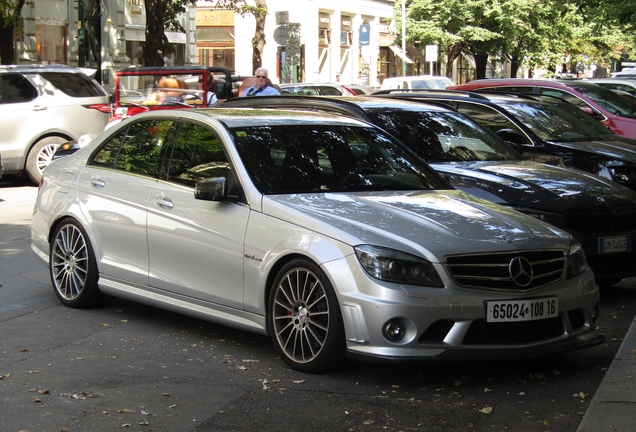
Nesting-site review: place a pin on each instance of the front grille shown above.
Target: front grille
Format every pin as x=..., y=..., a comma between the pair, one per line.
x=492, y=271
x=605, y=220
x=513, y=333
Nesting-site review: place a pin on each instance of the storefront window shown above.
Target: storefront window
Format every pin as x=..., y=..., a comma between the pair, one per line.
x=50, y=43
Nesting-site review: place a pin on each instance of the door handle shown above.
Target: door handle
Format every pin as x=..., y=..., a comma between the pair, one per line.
x=164, y=201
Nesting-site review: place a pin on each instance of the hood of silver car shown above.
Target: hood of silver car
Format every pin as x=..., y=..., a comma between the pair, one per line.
x=419, y=222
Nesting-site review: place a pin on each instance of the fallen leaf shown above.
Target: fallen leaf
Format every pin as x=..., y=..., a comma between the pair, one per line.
x=486, y=390
x=125, y=410
x=104, y=325
x=458, y=383
x=486, y=410
x=395, y=386
x=242, y=368
x=126, y=425
x=539, y=376
x=250, y=361
x=123, y=321
x=581, y=395
x=37, y=400
x=346, y=412
x=5, y=375
x=298, y=381
x=368, y=422
x=24, y=350
x=546, y=423
x=165, y=394
x=144, y=423
x=633, y=352
x=44, y=391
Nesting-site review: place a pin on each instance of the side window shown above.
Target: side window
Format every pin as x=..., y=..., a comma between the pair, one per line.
x=137, y=150
x=487, y=117
x=14, y=88
x=74, y=84
x=198, y=154
x=563, y=96
x=330, y=91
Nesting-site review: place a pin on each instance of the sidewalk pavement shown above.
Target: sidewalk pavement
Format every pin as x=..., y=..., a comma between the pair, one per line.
x=613, y=407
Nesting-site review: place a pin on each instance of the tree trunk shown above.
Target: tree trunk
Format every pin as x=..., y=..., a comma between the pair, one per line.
x=258, y=41
x=514, y=65
x=451, y=55
x=156, y=40
x=7, y=28
x=481, y=61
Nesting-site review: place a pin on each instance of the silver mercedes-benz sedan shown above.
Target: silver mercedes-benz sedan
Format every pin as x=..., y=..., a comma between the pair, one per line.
x=321, y=231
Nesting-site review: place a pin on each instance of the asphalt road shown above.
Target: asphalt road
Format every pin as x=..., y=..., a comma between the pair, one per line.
x=131, y=367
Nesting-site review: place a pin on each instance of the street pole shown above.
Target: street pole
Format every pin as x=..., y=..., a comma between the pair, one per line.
x=81, y=53
x=404, y=37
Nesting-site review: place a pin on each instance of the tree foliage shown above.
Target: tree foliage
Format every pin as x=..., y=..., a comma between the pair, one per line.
x=163, y=14
x=530, y=33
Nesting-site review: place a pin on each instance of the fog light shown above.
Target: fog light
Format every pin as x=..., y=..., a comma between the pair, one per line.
x=394, y=329
x=595, y=312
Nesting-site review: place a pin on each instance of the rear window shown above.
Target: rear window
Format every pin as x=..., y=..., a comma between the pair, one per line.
x=74, y=84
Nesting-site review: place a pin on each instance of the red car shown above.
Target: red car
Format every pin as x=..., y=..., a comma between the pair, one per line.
x=611, y=109
x=141, y=89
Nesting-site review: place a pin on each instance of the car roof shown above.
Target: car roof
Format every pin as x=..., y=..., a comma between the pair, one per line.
x=247, y=117
x=39, y=68
x=350, y=104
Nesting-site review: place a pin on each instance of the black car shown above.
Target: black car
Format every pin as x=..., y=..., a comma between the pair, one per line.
x=543, y=130
x=598, y=212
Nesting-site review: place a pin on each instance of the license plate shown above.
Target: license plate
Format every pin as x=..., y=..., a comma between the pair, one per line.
x=522, y=310
x=614, y=244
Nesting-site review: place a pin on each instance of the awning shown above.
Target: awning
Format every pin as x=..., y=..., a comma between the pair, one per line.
x=398, y=52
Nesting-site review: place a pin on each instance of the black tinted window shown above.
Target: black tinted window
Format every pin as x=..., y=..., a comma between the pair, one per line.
x=198, y=154
x=74, y=84
x=14, y=88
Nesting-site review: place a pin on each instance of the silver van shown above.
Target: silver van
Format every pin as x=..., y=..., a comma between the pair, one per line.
x=42, y=107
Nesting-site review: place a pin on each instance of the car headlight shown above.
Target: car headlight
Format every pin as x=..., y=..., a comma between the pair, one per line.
x=394, y=266
x=576, y=261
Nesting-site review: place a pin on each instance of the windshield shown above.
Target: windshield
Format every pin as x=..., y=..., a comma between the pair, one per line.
x=438, y=136
x=330, y=158
x=579, y=114
x=611, y=101
x=550, y=123
x=155, y=89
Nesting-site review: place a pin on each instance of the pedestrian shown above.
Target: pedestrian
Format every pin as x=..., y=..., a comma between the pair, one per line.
x=337, y=77
x=263, y=86
x=210, y=93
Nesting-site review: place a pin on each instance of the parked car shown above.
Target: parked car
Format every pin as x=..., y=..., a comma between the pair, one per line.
x=416, y=82
x=626, y=85
x=477, y=162
x=316, y=89
x=614, y=111
x=42, y=107
x=142, y=89
x=322, y=231
x=544, y=132
x=361, y=89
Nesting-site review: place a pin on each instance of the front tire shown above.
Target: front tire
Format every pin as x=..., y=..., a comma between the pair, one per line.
x=40, y=155
x=73, y=267
x=304, y=318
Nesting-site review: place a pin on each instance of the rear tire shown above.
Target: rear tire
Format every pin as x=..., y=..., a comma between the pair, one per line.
x=40, y=155
x=304, y=318
x=73, y=267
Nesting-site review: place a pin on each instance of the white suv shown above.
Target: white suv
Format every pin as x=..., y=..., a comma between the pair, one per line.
x=42, y=107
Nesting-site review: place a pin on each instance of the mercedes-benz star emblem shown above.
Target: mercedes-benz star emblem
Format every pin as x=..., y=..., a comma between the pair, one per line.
x=520, y=271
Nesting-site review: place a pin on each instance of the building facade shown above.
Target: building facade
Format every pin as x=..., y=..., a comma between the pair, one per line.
x=306, y=40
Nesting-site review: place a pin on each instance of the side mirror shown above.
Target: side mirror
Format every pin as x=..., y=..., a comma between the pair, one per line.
x=511, y=136
x=211, y=189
